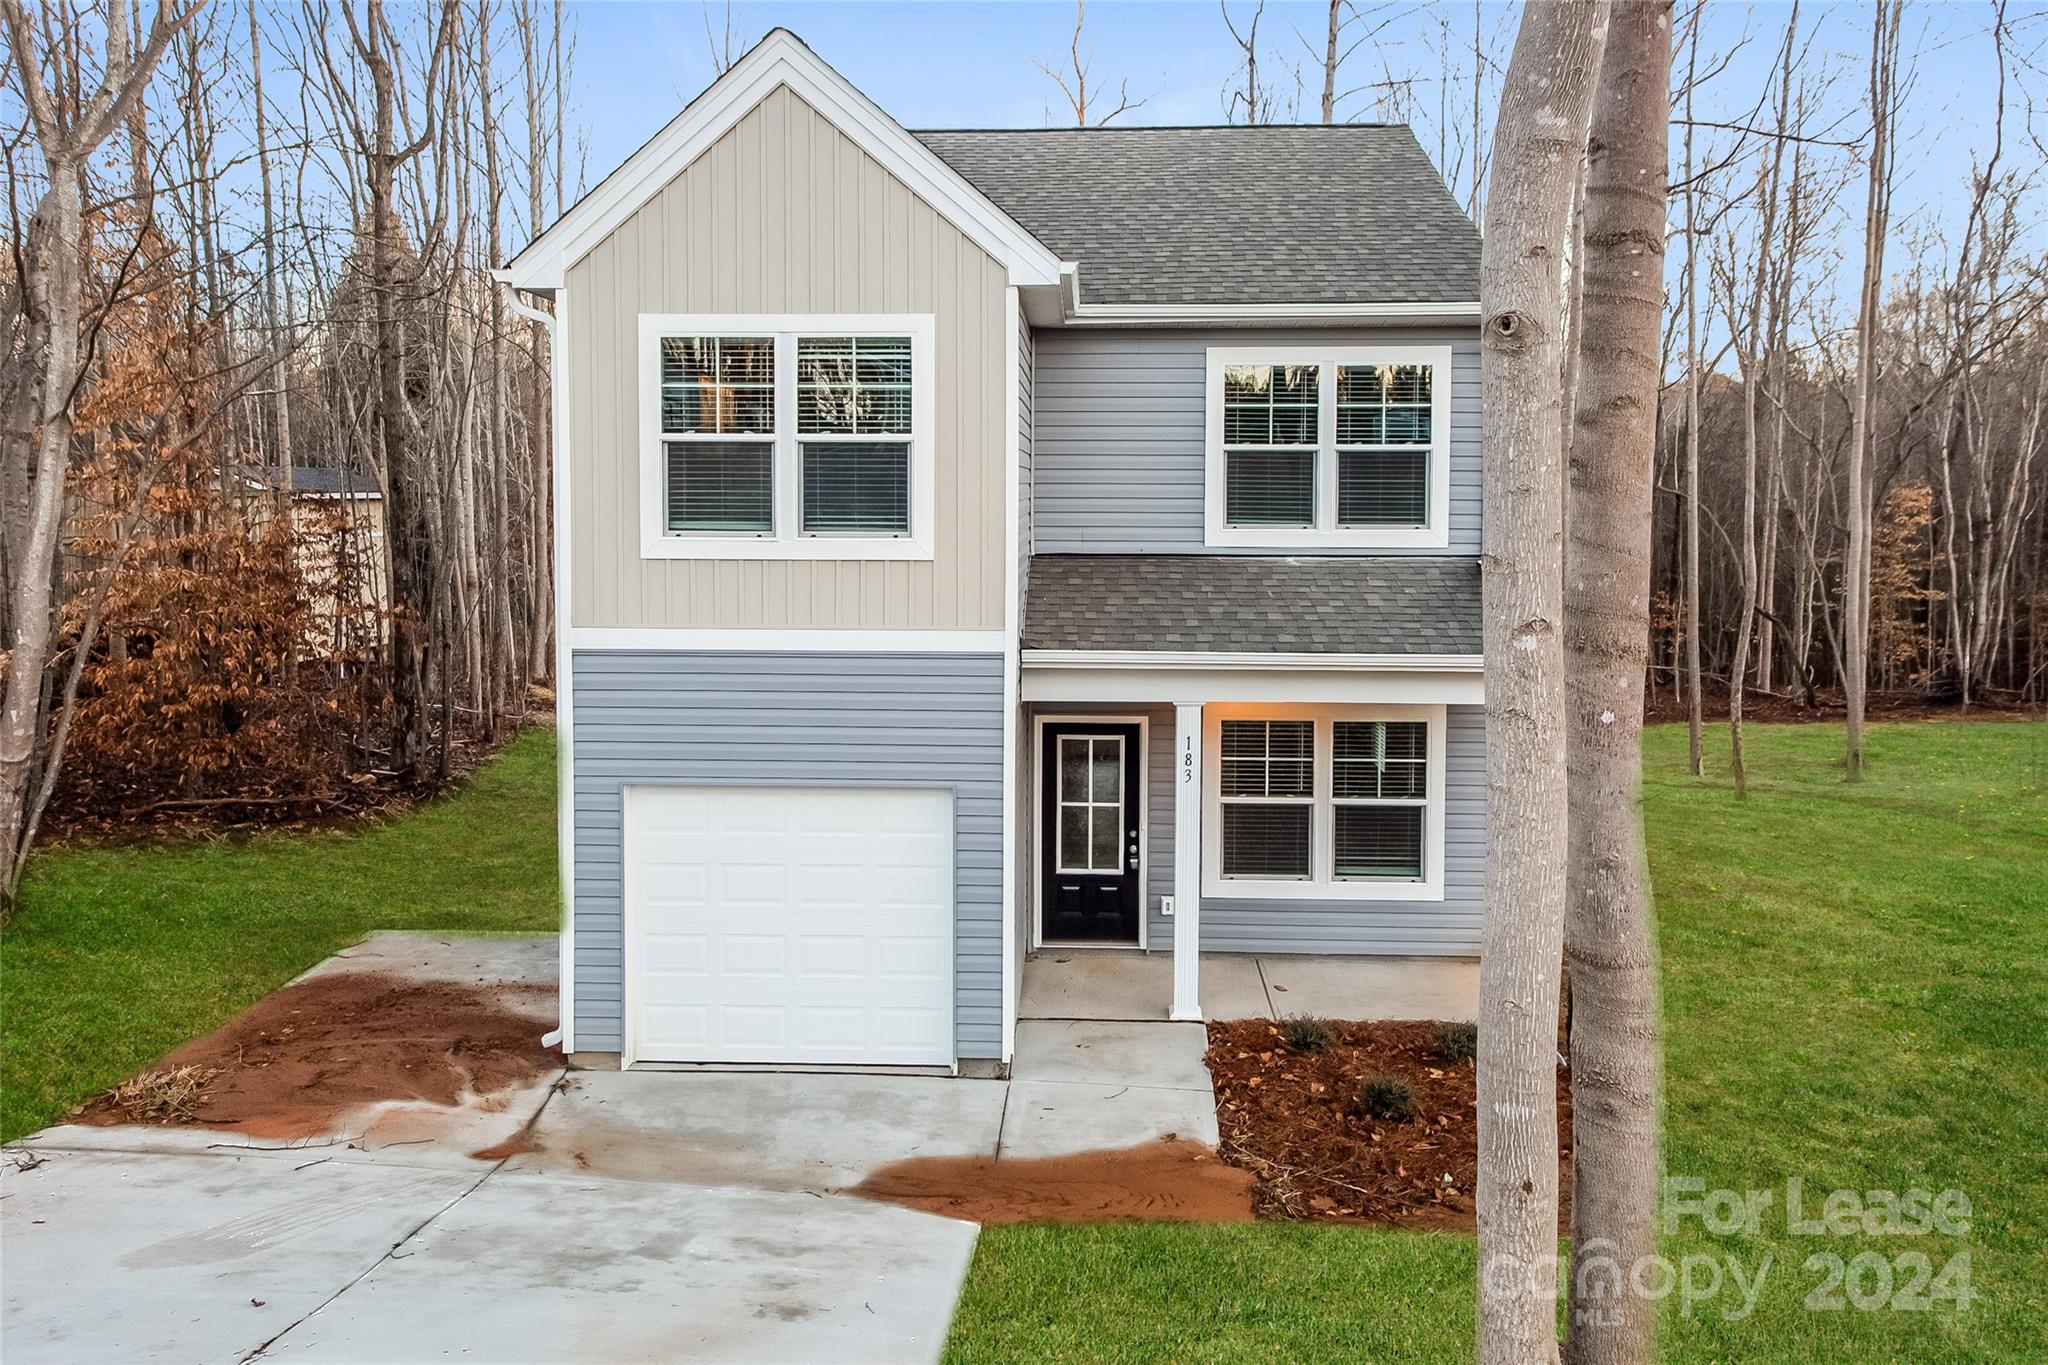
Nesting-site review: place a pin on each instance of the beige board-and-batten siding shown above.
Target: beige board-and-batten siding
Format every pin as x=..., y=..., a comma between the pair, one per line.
x=785, y=214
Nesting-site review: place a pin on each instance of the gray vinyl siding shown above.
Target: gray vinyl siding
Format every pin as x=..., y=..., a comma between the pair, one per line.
x=1120, y=444
x=764, y=718
x=1026, y=419
x=1446, y=928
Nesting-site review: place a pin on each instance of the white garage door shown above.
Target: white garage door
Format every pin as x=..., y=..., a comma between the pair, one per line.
x=779, y=924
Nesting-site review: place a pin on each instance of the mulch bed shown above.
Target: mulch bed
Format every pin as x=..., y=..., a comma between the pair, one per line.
x=1291, y=1118
x=297, y=1061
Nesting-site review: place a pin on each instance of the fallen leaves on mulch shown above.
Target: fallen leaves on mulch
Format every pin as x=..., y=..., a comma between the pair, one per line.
x=1292, y=1119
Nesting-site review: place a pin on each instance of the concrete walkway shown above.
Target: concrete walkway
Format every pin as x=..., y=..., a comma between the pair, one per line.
x=1109, y=984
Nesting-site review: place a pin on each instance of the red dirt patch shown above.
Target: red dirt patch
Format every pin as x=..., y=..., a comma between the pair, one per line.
x=519, y=1144
x=292, y=1064
x=1291, y=1119
x=1171, y=1180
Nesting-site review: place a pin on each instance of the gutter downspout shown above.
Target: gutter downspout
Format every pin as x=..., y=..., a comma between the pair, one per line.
x=565, y=985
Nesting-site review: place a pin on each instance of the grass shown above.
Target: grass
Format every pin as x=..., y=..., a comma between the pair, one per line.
x=1856, y=993
x=1855, y=990
x=118, y=953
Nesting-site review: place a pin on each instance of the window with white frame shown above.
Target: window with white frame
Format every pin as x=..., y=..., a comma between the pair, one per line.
x=1336, y=803
x=787, y=437
x=1334, y=445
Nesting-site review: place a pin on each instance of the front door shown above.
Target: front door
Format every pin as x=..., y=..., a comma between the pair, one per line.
x=1089, y=879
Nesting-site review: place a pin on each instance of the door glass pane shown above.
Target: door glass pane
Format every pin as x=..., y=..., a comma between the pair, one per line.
x=1108, y=838
x=1073, y=852
x=1109, y=770
x=1073, y=769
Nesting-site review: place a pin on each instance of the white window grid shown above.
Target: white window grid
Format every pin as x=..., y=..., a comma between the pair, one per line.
x=1433, y=532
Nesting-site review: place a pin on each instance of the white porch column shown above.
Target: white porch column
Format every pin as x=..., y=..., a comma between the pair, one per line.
x=1187, y=860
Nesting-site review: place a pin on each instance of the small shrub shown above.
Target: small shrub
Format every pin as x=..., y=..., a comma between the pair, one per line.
x=1387, y=1097
x=1457, y=1042
x=1305, y=1033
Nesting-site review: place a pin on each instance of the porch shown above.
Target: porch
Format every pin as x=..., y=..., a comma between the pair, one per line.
x=1105, y=985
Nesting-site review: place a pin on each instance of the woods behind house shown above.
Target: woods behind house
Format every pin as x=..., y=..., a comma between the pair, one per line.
x=301, y=553
x=274, y=448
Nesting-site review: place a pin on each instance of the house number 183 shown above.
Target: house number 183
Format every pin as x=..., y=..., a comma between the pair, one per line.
x=1187, y=761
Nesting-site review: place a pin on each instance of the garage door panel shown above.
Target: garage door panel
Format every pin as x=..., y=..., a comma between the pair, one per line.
x=791, y=925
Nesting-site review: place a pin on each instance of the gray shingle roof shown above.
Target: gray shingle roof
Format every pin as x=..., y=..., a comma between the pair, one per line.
x=314, y=481
x=1243, y=604
x=1350, y=213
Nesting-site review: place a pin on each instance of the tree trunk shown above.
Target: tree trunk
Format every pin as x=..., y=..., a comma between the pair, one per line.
x=1540, y=142
x=1884, y=56
x=1609, y=940
x=1695, y=718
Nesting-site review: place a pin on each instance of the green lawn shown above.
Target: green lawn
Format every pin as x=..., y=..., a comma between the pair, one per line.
x=1856, y=989
x=117, y=954
x=1856, y=993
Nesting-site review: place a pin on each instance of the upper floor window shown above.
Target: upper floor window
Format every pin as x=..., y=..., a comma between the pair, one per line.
x=787, y=437
x=1340, y=446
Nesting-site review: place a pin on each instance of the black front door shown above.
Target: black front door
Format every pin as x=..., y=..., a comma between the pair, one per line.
x=1089, y=878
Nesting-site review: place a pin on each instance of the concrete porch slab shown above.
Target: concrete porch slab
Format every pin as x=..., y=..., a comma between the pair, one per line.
x=538, y=1267
x=1059, y=1118
x=1076, y=984
x=1373, y=987
x=1112, y=1053
x=763, y=1129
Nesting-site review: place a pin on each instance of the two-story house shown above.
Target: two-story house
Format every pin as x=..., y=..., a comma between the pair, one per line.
x=977, y=542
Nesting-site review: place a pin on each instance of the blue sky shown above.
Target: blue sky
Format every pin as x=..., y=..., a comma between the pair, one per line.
x=970, y=65
x=962, y=64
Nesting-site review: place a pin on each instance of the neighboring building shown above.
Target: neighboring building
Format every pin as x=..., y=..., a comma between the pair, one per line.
x=338, y=540
x=974, y=541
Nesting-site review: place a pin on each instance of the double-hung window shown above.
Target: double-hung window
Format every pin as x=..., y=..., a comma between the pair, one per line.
x=787, y=437
x=1324, y=803
x=1338, y=446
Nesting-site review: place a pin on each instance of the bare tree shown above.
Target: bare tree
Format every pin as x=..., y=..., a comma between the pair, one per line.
x=1348, y=28
x=1253, y=96
x=1073, y=81
x=71, y=116
x=1690, y=498
x=1881, y=153
x=1609, y=940
x=1539, y=139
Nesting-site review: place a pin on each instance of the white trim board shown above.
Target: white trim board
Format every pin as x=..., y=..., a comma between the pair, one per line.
x=1013, y=609
x=682, y=639
x=1330, y=686
x=1183, y=659
x=779, y=59
x=1268, y=314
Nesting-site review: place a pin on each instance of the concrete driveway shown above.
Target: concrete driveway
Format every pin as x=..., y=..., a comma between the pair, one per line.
x=391, y=1242
x=631, y=1216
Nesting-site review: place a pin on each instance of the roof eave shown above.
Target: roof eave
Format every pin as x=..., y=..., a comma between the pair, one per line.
x=1382, y=313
